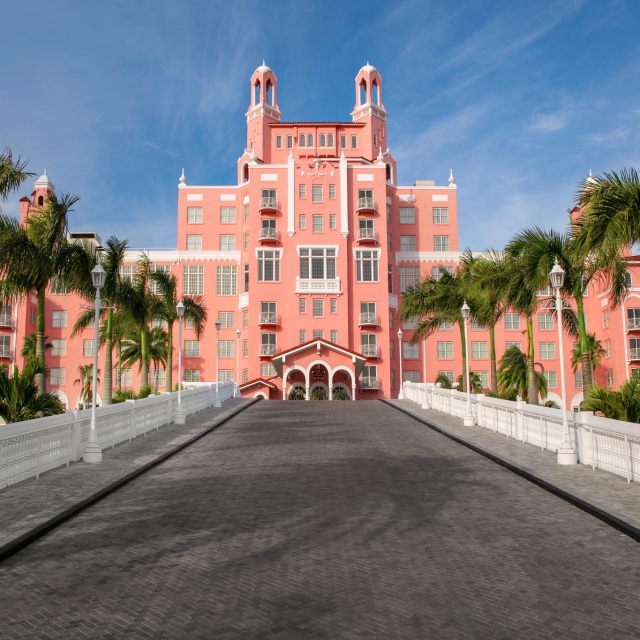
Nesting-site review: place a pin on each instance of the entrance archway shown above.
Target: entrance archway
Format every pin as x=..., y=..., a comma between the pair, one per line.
x=319, y=391
x=340, y=391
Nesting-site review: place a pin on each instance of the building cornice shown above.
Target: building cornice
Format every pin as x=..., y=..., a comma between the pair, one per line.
x=176, y=256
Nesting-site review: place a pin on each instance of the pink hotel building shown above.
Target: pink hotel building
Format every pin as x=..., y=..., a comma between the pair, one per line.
x=304, y=262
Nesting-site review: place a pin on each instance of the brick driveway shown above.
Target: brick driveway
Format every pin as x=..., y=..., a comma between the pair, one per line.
x=325, y=520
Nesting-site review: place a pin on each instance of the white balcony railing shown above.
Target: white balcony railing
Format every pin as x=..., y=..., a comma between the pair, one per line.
x=634, y=354
x=369, y=318
x=6, y=320
x=632, y=323
x=367, y=235
x=266, y=317
x=268, y=350
x=311, y=285
x=268, y=233
x=268, y=204
x=366, y=204
x=369, y=383
x=370, y=350
x=6, y=351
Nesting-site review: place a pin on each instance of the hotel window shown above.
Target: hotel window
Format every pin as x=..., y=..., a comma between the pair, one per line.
x=545, y=321
x=551, y=377
x=388, y=213
x=267, y=370
x=441, y=243
x=390, y=278
x=226, y=375
x=410, y=325
x=547, y=351
x=58, y=287
x=393, y=378
x=318, y=308
x=303, y=221
x=157, y=377
x=322, y=142
x=609, y=377
x=194, y=215
x=33, y=315
x=59, y=347
x=627, y=280
x=332, y=222
x=226, y=281
x=478, y=326
x=245, y=241
x=633, y=318
x=410, y=351
x=546, y=291
x=332, y=192
x=302, y=305
x=448, y=374
x=246, y=212
x=508, y=345
x=354, y=142
x=445, y=350
x=193, y=281
x=59, y=319
x=634, y=347
x=226, y=348
x=159, y=322
x=392, y=349
x=407, y=243
x=318, y=264
x=302, y=191
x=303, y=336
x=245, y=348
x=318, y=333
x=607, y=348
x=407, y=215
x=278, y=142
x=227, y=215
x=317, y=224
x=192, y=375
x=227, y=243
x=334, y=336
x=366, y=266
x=438, y=271
x=316, y=193
x=343, y=142
x=479, y=350
x=245, y=319
x=289, y=142
x=484, y=378
x=334, y=305
x=310, y=140
x=194, y=243
x=246, y=278
x=128, y=273
x=578, y=379
x=227, y=319
x=56, y=377
x=409, y=277
x=87, y=348
x=389, y=241
x=303, y=140
x=392, y=319
x=440, y=216
x=154, y=287
x=268, y=266
x=411, y=376
x=512, y=321
x=330, y=140
x=445, y=325
x=192, y=348
x=605, y=318
x=245, y=375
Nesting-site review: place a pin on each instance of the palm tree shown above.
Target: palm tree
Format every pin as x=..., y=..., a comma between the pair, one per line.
x=85, y=380
x=12, y=173
x=19, y=397
x=474, y=381
x=513, y=375
x=145, y=346
x=442, y=379
x=164, y=308
x=623, y=404
x=29, y=346
x=595, y=353
x=33, y=255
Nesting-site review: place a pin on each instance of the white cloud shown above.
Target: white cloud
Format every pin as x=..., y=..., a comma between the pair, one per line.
x=550, y=122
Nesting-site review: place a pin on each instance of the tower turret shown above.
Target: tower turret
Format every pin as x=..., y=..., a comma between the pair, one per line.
x=369, y=108
x=262, y=110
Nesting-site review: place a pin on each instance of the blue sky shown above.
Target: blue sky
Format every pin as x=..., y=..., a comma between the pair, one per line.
x=520, y=98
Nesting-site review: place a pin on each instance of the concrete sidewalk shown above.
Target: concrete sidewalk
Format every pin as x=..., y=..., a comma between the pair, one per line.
x=604, y=495
x=33, y=507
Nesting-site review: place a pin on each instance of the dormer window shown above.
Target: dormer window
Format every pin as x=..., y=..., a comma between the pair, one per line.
x=303, y=140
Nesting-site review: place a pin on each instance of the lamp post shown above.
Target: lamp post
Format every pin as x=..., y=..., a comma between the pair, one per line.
x=93, y=451
x=218, y=324
x=566, y=451
x=469, y=420
x=179, y=417
x=237, y=363
x=400, y=393
x=425, y=402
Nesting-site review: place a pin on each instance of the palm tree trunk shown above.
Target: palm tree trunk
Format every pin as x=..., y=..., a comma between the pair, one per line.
x=169, y=378
x=587, y=372
x=144, y=376
x=41, y=380
x=492, y=355
x=107, y=385
x=463, y=342
x=119, y=367
x=532, y=387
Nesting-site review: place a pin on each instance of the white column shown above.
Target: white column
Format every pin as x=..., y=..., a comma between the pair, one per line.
x=468, y=418
x=425, y=401
x=344, y=199
x=291, y=195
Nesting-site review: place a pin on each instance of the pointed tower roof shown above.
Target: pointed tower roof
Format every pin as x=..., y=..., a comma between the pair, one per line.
x=43, y=182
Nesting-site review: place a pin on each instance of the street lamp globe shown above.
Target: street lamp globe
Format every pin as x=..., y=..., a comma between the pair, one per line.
x=218, y=324
x=557, y=276
x=180, y=309
x=98, y=276
x=237, y=333
x=466, y=310
x=399, y=334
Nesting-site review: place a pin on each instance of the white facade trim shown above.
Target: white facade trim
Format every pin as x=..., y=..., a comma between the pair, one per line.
x=439, y=197
x=407, y=197
x=194, y=197
x=269, y=177
x=291, y=196
x=427, y=256
x=344, y=202
x=279, y=251
x=317, y=246
x=175, y=256
x=227, y=197
x=365, y=177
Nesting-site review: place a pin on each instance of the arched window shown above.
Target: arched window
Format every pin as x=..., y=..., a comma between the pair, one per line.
x=269, y=93
x=376, y=93
x=40, y=201
x=322, y=140
x=627, y=280
x=310, y=140
x=256, y=93
x=330, y=140
x=303, y=140
x=245, y=172
x=389, y=173
x=363, y=92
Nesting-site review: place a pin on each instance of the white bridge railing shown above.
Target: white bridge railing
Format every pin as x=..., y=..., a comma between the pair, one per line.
x=602, y=443
x=32, y=447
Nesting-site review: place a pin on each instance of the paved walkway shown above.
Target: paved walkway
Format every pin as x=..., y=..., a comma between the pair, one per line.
x=334, y=520
x=608, y=492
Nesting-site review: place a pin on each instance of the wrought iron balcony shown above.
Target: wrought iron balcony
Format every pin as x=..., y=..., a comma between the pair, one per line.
x=370, y=350
x=366, y=206
x=266, y=317
x=369, y=236
x=369, y=319
x=268, y=350
x=370, y=383
x=268, y=234
x=269, y=205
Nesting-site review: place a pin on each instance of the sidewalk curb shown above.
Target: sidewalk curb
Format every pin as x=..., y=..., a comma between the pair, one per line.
x=587, y=507
x=25, y=539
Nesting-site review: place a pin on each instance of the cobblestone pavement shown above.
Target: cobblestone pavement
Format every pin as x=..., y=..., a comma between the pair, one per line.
x=605, y=490
x=332, y=520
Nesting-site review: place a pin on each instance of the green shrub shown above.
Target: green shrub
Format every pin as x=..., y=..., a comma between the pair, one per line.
x=120, y=395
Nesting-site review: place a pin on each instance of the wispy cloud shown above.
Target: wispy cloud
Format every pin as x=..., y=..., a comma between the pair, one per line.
x=550, y=122
x=613, y=138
